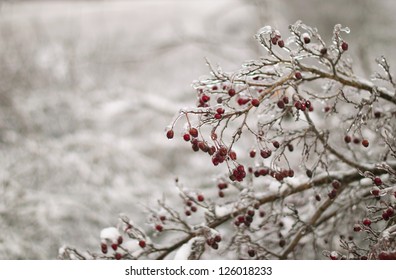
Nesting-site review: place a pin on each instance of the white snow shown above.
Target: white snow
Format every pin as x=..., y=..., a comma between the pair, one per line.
x=109, y=234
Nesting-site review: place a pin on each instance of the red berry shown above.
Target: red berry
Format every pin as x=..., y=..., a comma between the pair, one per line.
x=280, y=104
x=103, y=247
x=366, y=222
x=356, y=140
x=193, y=132
x=231, y=92
x=221, y=194
x=298, y=75
x=377, y=181
x=200, y=198
x=186, y=137
x=308, y=104
x=347, y=139
x=117, y=256
x=332, y=194
x=215, y=88
x=375, y=191
x=261, y=214
x=298, y=105
x=323, y=51
x=336, y=184
x=250, y=212
x=390, y=211
x=385, y=216
x=194, y=208
x=252, y=153
x=162, y=218
x=205, y=98
x=217, y=116
x=188, y=213
x=357, y=228
x=285, y=99
x=306, y=38
x=233, y=155
x=170, y=134
x=276, y=144
x=114, y=246
x=334, y=255
x=119, y=240
x=365, y=143
x=159, y=228
x=265, y=153
x=344, y=46
x=281, y=43
x=251, y=253
x=220, y=110
x=255, y=102
x=217, y=238
x=142, y=243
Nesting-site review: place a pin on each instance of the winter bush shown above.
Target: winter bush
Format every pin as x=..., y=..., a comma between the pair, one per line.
x=306, y=155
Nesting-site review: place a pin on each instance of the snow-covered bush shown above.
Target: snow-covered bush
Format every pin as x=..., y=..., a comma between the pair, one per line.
x=306, y=153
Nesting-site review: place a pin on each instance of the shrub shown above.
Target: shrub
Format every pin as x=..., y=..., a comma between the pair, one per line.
x=306, y=155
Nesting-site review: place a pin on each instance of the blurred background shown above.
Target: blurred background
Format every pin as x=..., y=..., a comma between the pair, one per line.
x=87, y=89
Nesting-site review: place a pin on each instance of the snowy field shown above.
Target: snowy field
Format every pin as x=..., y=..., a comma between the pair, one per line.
x=87, y=90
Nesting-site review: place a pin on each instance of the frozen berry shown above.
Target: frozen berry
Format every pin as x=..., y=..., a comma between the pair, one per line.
x=344, y=46
x=375, y=191
x=142, y=243
x=200, y=198
x=356, y=140
x=377, y=181
x=323, y=51
x=281, y=43
x=255, y=102
x=217, y=238
x=280, y=104
x=119, y=240
x=231, y=92
x=365, y=143
x=114, y=246
x=366, y=222
x=298, y=75
x=276, y=144
x=117, y=256
x=347, y=139
x=251, y=253
x=194, y=208
x=193, y=132
x=187, y=213
x=332, y=194
x=285, y=99
x=159, y=228
x=306, y=38
x=336, y=184
x=309, y=173
x=170, y=134
x=252, y=153
x=186, y=137
x=357, y=228
x=103, y=247
x=265, y=153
